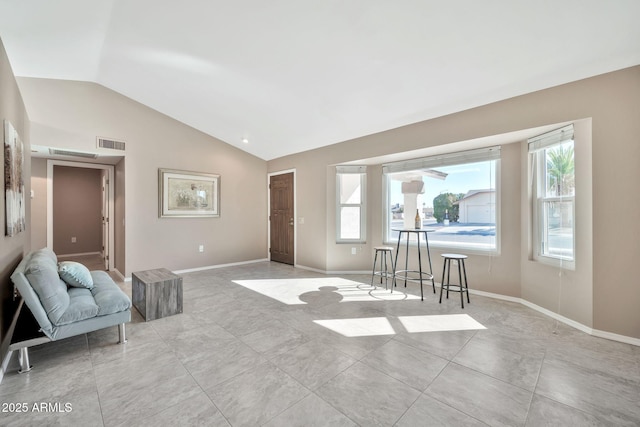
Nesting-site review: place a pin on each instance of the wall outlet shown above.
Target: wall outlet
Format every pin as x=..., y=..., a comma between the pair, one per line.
x=201, y=248
x=73, y=240
x=354, y=251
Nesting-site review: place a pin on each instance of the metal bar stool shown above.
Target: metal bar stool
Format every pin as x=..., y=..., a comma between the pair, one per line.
x=446, y=269
x=383, y=272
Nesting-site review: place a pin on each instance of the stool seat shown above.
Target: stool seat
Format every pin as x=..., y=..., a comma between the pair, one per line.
x=383, y=248
x=454, y=256
x=462, y=287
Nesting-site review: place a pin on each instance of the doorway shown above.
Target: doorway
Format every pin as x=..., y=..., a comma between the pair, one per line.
x=105, y=207
x=282, y=216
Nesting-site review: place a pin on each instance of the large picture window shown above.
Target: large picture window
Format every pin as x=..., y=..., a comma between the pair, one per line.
x=350, y=203
x=455, y=194
x=553, y=189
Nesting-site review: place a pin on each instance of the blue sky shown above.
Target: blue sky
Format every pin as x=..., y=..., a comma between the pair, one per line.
x=460, y=179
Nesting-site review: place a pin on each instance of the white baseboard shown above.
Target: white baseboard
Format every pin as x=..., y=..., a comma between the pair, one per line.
x=615, y=337
x=315, y=270
x=210, y=267
x=120, y=275
x=79, y=254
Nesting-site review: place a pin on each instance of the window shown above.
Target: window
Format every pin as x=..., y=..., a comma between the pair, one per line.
x=553, y=189
x=350, y=203
x=455, y=194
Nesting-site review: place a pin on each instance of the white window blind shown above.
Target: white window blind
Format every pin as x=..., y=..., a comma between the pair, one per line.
x=548, y=139
x=470, y=156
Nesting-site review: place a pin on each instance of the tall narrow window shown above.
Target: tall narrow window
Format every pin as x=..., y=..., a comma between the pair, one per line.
x=553, y=189
x=350, y=203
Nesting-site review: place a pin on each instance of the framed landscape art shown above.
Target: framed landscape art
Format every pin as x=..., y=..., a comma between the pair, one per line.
x=188, y=194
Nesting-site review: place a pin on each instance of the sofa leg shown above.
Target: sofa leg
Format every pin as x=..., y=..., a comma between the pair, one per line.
x=122, y=334
x=23, y=355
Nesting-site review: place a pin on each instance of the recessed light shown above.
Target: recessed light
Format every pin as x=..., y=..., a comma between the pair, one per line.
x=245, y=140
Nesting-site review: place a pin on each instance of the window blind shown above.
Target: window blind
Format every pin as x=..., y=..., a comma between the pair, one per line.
x=351, y=169
x=470, y=156
x=548, y=139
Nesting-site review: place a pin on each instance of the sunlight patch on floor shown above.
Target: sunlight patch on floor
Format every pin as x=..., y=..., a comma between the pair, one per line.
x=444, y=322
x=296, y=291
x=367, y=327
x=373, y=326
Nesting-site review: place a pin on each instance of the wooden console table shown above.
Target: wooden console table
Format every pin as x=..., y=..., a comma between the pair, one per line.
x=156, y=293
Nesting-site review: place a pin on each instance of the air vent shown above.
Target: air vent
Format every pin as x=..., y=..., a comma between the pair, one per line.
x=72, y=153
x=111, y=144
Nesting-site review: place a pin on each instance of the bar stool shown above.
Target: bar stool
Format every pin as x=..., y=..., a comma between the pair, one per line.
x=463, y=286
x=383, y=272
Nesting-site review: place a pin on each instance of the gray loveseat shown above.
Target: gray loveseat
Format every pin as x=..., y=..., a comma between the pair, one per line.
x=62, y=310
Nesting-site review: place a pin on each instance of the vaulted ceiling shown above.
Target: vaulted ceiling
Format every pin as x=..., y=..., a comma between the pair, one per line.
x=292, y=75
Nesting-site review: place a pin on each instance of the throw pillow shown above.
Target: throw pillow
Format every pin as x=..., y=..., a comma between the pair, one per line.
x=75, y=274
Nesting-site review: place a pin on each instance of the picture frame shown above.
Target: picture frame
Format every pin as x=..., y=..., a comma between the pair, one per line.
x=185, y=194
x=14, y=196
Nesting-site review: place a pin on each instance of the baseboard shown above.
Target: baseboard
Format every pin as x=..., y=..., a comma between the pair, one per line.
x=211, y=267
x=559, y=317
x=354, y=272
x=79, y=254
x=615, y=337
x=315, y=270
x=120, y=275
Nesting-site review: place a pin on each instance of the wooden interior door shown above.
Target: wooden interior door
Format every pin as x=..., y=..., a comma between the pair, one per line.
x=281, y=218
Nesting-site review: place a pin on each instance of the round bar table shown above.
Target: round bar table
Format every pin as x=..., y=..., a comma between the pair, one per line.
x=429, y=276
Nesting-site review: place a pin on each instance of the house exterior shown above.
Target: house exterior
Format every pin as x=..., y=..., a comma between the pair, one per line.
x=477, y=206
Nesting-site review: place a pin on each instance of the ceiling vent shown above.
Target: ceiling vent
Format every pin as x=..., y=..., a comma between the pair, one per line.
x=111, y=144
x=57, y=152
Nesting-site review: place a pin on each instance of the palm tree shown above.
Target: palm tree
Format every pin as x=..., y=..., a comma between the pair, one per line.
x=561, y=170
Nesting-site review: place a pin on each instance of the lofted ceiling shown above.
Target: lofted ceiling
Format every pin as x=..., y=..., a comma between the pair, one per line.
x=292, y=75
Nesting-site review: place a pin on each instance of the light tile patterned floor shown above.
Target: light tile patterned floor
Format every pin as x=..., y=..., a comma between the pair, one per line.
x=243, y=357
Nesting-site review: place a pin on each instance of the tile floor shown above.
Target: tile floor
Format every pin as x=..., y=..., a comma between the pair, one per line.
x=242, y=358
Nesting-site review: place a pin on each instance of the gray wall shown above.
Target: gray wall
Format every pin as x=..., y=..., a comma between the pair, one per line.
x=77, y=210
x=602, y=292
x=68, y=114
x=11, y=248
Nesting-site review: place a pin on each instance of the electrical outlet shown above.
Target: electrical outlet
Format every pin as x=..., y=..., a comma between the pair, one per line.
x=73, y=240
x=201, y=248
x=354, y=251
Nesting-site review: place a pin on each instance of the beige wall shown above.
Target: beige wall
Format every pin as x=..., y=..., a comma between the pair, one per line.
x=77, y=210
x=601, y=292
x=69, y=114
x=12, y=248
x=119, y=220
x=39, y=203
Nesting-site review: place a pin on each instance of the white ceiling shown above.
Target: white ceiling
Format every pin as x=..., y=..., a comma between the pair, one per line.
x=293, y=75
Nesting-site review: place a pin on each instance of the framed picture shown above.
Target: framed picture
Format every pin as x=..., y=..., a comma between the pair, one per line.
x=188, y=194
x=13, y=182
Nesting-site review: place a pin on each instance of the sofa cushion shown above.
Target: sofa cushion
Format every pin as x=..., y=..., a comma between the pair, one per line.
x=75, y=274
x=42, y=273
x=82, y=306
x=108, y=296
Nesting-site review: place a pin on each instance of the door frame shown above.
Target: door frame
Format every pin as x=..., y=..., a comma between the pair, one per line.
x=295, y=214
x=111, y=199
